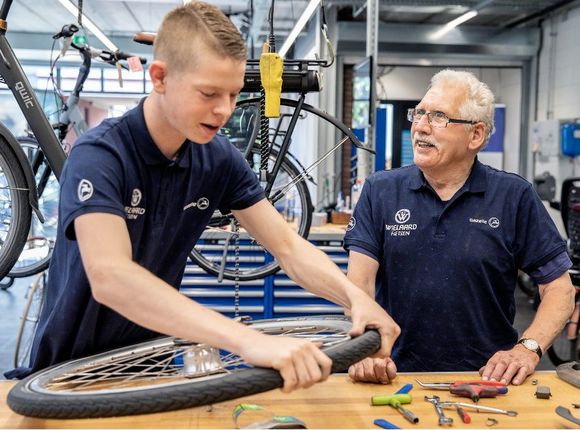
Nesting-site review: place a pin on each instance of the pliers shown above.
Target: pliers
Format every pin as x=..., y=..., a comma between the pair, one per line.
x=472, y=389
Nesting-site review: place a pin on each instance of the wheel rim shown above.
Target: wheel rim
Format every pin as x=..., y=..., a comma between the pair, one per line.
x=9, y=211
x=41, y=238
x=160, y=363
x=255, y=261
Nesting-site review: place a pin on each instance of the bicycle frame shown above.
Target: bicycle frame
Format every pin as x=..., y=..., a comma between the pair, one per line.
x=283, y=149
x=71, y=114
x=14, y=77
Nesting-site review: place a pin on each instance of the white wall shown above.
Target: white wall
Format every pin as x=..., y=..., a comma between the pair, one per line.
x=559, y=86
x=410, y=83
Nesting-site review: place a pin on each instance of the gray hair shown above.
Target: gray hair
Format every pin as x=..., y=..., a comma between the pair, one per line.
x=479, y=102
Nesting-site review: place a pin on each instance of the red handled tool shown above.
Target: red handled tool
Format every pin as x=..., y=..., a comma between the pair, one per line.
x=472, y=389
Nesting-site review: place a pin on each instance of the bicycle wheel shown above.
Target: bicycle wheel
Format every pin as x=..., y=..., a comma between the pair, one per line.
x=565, y=347
x=37, y=251
x=168, y=374
x=15, y=211
x=29, y=320
x=215, y=252
x=527, y=285
x=563, y=351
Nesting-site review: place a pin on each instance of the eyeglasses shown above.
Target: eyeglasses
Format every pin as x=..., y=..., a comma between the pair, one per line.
x=436, y=119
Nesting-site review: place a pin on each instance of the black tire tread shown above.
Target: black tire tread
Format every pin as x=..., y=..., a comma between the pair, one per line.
x=12, y=248
x=41, y=265
x=197, y=393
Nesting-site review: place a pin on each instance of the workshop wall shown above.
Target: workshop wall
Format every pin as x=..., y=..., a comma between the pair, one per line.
x=558, y=89
x=410, y=83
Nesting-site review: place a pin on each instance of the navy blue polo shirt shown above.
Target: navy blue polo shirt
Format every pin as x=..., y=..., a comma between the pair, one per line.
x=116, y=168
x=448, y=269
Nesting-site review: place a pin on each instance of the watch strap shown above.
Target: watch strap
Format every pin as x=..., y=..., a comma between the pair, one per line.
x=537, y=350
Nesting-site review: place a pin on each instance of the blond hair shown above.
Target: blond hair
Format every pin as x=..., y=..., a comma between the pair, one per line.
x=479, y=101
x=195, y=25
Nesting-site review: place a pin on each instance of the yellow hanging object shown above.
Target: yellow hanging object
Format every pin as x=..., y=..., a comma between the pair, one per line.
x=271, y=67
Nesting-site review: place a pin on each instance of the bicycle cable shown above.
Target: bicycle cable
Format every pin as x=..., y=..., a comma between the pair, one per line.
x=236, y=231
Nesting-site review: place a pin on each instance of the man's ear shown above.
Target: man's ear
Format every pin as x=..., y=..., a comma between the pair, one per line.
x=158, y=75
x=478, y=133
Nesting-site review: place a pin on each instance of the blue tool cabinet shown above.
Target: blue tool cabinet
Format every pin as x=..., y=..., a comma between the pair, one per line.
x=275, y=296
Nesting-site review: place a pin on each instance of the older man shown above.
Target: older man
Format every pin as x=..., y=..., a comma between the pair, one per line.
x=439, y=245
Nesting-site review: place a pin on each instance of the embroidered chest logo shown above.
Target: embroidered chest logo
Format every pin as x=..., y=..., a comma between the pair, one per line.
x=136, y=197
x=402, y=226
x=201, y=203
x=493, y=222
x=134, y=210
x=402, y=216
x=85, y=190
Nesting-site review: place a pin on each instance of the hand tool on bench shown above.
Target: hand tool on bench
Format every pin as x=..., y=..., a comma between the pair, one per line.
x=478, y=408
x=395, y=401
x=472, y=389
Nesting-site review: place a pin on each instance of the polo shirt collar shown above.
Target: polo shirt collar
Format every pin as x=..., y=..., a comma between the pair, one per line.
x=476, y=182
x=146, y=145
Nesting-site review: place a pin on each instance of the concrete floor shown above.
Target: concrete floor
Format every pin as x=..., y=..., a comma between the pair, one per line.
x=12, y=302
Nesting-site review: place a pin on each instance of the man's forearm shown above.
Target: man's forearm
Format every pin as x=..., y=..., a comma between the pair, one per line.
x=146, y=300
x=554, y=310
x=313, y=270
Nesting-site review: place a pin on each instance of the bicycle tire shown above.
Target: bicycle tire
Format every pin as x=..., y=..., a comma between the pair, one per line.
x=6, y=283
x=209, y=252
x=36, y=296
x=563, y=351
x=15, y=210
x=37, y=252
x=30, y=397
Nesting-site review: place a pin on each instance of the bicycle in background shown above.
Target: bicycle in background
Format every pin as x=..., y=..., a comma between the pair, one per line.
x=225, y=249
x=19, y=189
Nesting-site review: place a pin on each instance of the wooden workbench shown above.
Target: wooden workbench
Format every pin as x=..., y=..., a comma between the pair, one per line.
x=340, y=403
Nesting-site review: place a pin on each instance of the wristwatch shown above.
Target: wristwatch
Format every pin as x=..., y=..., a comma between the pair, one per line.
x=532, y=345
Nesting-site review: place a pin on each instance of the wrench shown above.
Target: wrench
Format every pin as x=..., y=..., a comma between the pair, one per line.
x=478, y=408
x=443, y=420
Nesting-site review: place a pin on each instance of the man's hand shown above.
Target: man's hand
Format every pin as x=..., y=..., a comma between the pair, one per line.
x=512, y=366
x=366, y=313
x=378, y=370
x=300, y=362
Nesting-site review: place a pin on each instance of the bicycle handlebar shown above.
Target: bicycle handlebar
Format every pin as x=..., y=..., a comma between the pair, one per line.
x=105, y=55
x=114, y=57
x=144, y=38
x=67, y=30
x=293, y=81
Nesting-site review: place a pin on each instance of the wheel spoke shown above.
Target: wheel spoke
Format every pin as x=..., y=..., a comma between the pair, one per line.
x=161, y=364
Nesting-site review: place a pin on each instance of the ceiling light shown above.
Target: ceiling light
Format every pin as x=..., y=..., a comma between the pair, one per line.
x=452, y=24
x=73, y=9
x=300, y=24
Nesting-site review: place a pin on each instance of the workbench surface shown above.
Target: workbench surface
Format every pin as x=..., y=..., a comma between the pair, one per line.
x=340, y=403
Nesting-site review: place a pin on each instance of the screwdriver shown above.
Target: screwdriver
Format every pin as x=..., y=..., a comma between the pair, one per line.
x=463, y=415
x=476, y=391
x=472, y=389
x=395, y=401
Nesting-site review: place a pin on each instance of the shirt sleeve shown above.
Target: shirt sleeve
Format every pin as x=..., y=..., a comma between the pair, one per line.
x=90, y=184
x=243, y=189
x=364, y=228
x=537, y=239
x=552, y=270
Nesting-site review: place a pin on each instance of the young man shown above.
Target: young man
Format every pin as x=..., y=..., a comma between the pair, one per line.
x=440, y=243
x=127, y=222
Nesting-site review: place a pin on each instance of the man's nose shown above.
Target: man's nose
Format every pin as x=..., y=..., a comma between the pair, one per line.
x=422, y=124
x=224, y=107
